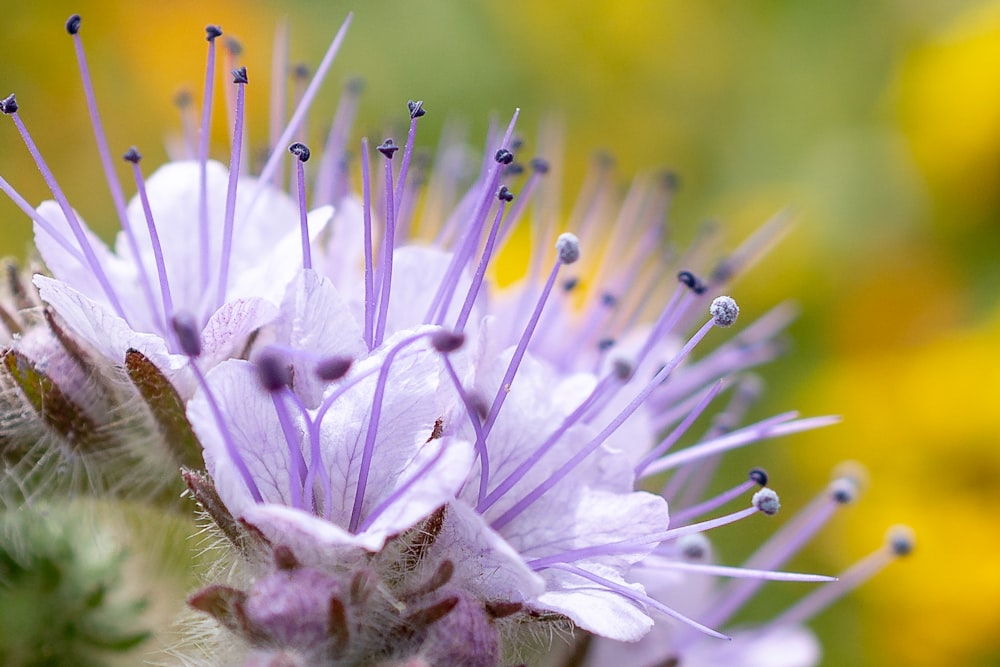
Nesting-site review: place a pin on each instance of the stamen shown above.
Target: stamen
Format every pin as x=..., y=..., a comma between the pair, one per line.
x=401, y=490
x=694, y=479
x=233, y=50
x=334, y=368
x=373, y=424
x=9, y=106
x=369, y=258
x=186, y=329
x=465, y=250
x=568, y=251
x=211, y=33
x=640, y=598
x=73, y=28
x=538, y=169
x=302, y=153
x=768, y=428
x=315, y=437
x=505, y=196
x=680, y=430
x=757, y=478
x=598, y=440
x=416, y=110
x=240, y=79
x=508, y=483
x=899, y=542
x=182, y=100
x=300, y=111
x=154, y=238
x=29, y=211
x=331, y=180
x=275, y=376
x=725, y=311
x=735, y=572
x=787, y=541
x=446, y=342
x=387, y=149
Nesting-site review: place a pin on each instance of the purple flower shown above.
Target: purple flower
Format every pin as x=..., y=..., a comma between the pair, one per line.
x=416, y=464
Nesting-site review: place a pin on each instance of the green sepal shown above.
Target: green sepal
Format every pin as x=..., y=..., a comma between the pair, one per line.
x=166, y=407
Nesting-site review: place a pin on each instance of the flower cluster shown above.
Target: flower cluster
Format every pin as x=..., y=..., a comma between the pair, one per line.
x=410, y=464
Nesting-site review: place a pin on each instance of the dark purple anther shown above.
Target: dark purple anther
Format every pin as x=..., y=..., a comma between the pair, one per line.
x=73, y=24
x=388, y=148
x=301, y=151
x=188, y=333
x=758, y=476
x=447, y=341
x=8, y=105
x=416, y=108
x=132, y=155
x=273, y=371
x=333, y=368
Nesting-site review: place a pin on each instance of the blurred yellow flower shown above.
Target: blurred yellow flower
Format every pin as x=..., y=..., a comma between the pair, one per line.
x=925, y=420
x=949, y=95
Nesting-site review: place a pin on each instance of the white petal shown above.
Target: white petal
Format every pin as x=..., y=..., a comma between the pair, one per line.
x=315, y=319
x=230, y=327
x=442, y=466
x=593, y=607
x=97, y=324
x=485, y=560
x=252, y=424
x=314, y=541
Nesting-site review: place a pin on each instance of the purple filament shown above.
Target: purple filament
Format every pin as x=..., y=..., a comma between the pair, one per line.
x=385, y=266
x=74, y=222
x=234, y=168
x=154, y=240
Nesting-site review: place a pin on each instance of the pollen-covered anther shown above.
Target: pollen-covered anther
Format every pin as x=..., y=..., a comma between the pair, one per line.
x=416, y=108
x=504, y=156
x=8, y=105
x=505, y=194
x=188, y=333
x=132, y=155
x=843, y=490
x=333, y=368
x=212, y=31
x=73, y=24
x=766, y=501
x=724, y=311
x=694, y=547
x=234, y=46
x=758, y=476
x=301, y=151
x=901, y=540
x=273, y=371
x=240, y=75
x=568, y=247
x=447, y=341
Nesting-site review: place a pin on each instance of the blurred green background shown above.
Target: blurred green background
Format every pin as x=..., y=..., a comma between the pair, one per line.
x=876, y=121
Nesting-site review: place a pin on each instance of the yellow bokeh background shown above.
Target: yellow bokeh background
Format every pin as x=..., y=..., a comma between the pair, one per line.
x=877, y=123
